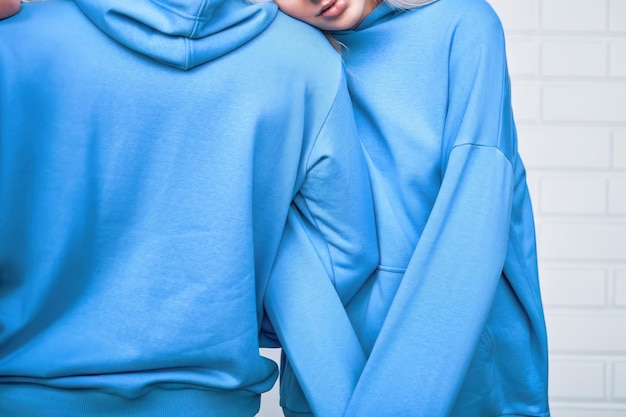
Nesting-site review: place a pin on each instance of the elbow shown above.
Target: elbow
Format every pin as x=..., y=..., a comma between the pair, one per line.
x=9, y=7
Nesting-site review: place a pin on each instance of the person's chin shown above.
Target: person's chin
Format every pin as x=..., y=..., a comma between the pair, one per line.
x=345, y=22
x=9, y=9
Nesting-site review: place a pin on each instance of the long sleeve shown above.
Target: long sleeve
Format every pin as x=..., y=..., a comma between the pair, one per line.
x=311, y=323
x=328, y=250
x=336, y=199
x=438, y=314
x=432, y=328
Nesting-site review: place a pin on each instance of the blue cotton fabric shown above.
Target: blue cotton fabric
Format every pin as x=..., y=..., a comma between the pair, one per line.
x=452, y=319
x=150, y=152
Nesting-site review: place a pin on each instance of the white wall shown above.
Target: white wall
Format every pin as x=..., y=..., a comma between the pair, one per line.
x=269, y=400
x=567, y=60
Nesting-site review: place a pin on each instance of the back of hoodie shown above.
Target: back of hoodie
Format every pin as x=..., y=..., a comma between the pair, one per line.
x=149, y=153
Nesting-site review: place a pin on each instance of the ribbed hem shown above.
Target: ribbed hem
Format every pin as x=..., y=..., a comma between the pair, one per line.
x=29, y=400
x=288, y=413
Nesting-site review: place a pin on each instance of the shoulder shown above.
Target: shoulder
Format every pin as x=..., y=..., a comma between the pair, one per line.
x=38, y=26
x=476, y=11
x=467, y=24
x=476, y=22
x=292, y=37
x=44, y=16
x=300, y=50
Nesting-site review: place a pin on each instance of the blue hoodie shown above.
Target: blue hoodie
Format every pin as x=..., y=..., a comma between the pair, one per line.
x=149, y=155
x=452, y=319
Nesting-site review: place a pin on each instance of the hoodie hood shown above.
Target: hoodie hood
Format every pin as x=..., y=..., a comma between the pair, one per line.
x=180, y=33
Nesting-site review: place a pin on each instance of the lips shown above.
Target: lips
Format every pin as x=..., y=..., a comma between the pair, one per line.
x=327, y=7
x=333, y=9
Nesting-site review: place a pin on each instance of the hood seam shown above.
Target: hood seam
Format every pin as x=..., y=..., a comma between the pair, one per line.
x=178, y=33
x=188, y=46
x=200, y=12
x=174, y=11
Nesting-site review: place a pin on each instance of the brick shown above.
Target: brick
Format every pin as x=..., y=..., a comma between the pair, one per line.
x=585, y=102
x=619, y=380
x=586, y=332
x=619, y=149
x=579, y=241
x=585, y=410
x=577, y=379
x=617, y=57
x=517, y=15
x=617, y=15
x=526, y=100
x=573, y=15
x=617, y=196
x=619, y=288
x=569, y=287
x=574, y=58
x=567, y=195
x=522, y=56
x=566, y=147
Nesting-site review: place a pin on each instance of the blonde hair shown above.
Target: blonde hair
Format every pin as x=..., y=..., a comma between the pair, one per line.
x=408, y=4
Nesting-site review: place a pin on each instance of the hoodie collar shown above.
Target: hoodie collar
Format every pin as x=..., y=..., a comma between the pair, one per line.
x=180, y=33
x=383, y=12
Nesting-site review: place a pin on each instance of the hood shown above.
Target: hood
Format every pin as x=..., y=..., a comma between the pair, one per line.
x=180, y=33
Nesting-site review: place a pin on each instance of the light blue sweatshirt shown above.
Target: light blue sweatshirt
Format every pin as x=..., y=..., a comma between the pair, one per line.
x=452, y=319
x=149, y=155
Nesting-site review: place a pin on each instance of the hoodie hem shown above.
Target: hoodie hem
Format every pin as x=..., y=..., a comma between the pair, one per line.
x=288, y=413
x=36, y=400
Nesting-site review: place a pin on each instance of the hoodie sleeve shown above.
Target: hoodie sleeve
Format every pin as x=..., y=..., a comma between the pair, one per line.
x=336, y=199
x=327, y=252
x=437, y=316
x=311, y=323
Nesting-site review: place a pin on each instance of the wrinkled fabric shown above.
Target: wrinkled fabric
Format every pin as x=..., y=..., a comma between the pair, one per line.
x=452, y=319
x=142, y=206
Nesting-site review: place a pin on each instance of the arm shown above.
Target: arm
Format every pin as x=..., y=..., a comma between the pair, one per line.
x=434, y=324
x=9, y=7
x=336, y=200
x=327, y=252
x=311, y=323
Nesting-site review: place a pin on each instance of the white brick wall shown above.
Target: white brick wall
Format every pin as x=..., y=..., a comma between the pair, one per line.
x=617, y=16
x=568, y=66
x=617, y=58
x=619, y=289
x=573, y=57
x=619, y=149
x=571, y=15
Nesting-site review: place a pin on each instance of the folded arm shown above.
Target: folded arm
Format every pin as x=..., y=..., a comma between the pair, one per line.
x=328, y=250
x=438, y=314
